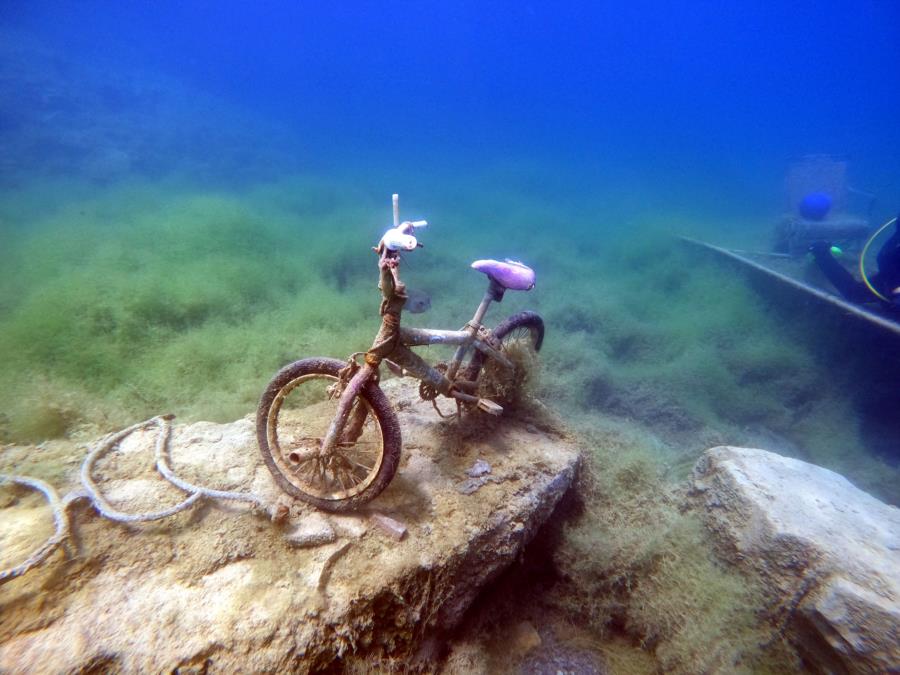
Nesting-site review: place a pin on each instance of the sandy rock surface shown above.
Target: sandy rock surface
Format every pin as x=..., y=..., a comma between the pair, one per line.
x=828, y=552
x=221, y=588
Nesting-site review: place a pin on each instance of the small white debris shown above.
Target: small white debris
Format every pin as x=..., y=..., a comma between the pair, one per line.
x=325, y=573
x=470, y=485
x=479, y=468
x=393, y=528
x=352, y=527
x=314, y=530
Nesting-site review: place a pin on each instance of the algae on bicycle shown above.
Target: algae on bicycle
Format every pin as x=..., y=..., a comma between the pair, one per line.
x=326, y=430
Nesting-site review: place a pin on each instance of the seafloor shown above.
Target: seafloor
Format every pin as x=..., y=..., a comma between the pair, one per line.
x=132, y=285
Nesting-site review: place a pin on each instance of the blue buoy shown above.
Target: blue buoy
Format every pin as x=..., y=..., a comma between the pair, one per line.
x=815, y=205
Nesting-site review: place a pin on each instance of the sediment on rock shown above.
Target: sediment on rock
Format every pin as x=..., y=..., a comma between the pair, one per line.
x=221, y=588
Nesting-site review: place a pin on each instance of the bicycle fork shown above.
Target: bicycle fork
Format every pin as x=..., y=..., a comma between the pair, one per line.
x=443, y=382
x=339, y=429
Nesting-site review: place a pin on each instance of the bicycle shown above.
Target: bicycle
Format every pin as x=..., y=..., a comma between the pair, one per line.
x=327, y=431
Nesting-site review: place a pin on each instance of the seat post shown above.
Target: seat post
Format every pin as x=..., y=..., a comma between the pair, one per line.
x=494, y=292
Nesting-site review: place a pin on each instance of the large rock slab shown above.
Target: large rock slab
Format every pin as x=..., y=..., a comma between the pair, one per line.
x=220, y=588
x=828, y=553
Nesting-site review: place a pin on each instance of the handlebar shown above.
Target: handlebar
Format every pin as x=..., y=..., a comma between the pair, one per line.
x=401, y=237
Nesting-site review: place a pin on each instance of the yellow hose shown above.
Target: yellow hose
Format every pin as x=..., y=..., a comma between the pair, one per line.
x=862, y=257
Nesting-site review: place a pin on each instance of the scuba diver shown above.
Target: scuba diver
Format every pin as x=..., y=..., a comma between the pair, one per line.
x=882, y=287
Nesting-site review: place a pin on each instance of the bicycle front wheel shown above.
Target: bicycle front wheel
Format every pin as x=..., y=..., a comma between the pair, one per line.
x=291, y=422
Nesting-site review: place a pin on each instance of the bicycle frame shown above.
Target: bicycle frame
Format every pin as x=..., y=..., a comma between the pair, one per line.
x=393, y=344
x=473, y=335
x=347, y=450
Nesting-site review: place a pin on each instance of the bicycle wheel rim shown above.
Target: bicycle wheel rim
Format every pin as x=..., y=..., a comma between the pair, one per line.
x=299, y=461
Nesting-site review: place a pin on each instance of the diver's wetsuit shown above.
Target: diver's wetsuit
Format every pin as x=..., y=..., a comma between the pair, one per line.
x=886, y=281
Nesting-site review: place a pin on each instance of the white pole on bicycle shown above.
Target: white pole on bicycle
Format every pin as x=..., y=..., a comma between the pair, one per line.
x=396, y=200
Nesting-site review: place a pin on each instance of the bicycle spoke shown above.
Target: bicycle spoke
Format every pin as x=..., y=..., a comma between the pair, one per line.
x=351, y=466
x=300, y=420
x=340, y=476
x=306, y=468
x=360, y=466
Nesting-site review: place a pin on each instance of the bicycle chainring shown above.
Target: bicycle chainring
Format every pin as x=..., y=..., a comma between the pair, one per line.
x=427, y=392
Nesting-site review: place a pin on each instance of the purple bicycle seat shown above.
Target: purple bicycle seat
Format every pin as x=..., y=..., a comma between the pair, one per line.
x=511, y=274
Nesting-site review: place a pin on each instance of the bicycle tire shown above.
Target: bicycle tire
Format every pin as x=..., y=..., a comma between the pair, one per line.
x=527, y=321
x=318, y=371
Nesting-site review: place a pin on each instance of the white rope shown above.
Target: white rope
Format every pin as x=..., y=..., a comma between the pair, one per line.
x=60, y=519
x=162, y=465
x=103, y=507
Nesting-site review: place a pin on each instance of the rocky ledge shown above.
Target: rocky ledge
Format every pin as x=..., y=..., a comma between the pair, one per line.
x=827, y=553
x=220, y=588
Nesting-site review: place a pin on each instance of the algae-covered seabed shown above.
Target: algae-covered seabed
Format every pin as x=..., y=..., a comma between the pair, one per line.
x=151, y=297
x=153, y=263
x=132, y=299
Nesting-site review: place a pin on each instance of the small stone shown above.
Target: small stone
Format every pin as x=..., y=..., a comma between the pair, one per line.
x=479, y=468
x=470, y=485
x=314, y=530
x=353, y=527
x=280, y=510
x=393, y=528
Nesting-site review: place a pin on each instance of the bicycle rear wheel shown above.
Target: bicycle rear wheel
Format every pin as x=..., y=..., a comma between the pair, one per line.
x=521, y=336
x=294, y=414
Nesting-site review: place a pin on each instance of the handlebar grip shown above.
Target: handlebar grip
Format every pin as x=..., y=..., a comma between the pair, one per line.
x=396, y=240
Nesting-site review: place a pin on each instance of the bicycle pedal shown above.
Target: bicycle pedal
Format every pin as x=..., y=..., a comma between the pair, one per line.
x=489, y=407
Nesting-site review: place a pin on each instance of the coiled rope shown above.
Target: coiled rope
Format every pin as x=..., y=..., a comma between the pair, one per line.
x=60, y=519
x=91, y=491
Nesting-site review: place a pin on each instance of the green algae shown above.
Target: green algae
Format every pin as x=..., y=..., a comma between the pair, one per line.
x=183, y=303
x=123, y=302
x=144, y=299
x=633, y=562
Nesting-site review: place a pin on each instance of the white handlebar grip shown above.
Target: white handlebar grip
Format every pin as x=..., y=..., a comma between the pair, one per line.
x=396, y=240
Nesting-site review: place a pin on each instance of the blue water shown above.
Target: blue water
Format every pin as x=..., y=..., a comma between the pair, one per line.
x=680, y=107
x=575, y=136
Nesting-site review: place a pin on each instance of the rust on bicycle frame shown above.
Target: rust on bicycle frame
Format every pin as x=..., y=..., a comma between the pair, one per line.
x=386, y=343
x=392, y=342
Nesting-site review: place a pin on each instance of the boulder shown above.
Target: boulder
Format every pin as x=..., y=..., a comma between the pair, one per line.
x=827, y=553
x=220, y=587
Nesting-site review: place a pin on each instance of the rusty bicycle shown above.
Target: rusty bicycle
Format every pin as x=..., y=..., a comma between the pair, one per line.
x=325, y=428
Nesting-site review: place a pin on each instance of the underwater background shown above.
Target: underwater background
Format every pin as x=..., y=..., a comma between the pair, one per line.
x=189, y=194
